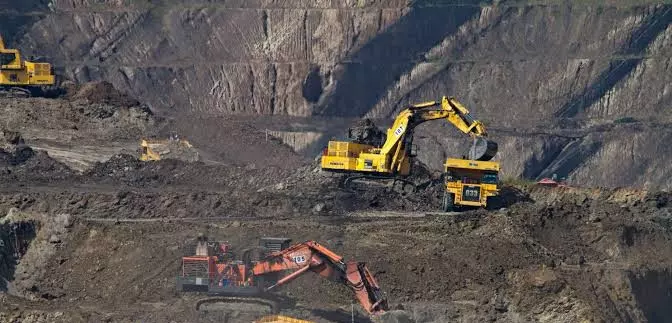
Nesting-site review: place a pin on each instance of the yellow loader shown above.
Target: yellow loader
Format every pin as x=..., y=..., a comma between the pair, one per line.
x=172, y=148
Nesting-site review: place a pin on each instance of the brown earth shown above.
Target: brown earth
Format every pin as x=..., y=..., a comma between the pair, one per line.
x=91, y=234
x=578, y=256
x=104, y=244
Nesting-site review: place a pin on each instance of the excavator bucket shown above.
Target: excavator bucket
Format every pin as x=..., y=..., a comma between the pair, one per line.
x=483, y=149
x=366, y=288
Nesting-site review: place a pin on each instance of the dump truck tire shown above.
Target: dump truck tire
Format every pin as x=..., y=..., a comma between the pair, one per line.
x=448, y=202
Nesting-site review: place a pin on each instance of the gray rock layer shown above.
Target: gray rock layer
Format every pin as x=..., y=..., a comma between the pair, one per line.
x=581, y=91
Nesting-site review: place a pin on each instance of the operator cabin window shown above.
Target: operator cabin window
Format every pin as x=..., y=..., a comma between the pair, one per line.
x=490, y=178
x=7, y=58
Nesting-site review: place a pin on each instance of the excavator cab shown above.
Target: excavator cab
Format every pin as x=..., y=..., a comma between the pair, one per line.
x=469, y=183
x=209, y=266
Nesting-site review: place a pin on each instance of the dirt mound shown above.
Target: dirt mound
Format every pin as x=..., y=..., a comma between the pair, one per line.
x=15, y=156
x=102, y=92
x=19, y=162
x=35, y=165
x=365, y=132
x=115, y=166
x=13, y=150
x=70, y=123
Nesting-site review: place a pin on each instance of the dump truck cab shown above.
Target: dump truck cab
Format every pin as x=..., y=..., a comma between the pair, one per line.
x=469, y=183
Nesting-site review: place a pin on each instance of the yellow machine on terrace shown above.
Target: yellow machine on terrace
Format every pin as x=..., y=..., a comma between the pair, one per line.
x=152, y=149
x=393, y=159
x=469, y=183
x=19, y=77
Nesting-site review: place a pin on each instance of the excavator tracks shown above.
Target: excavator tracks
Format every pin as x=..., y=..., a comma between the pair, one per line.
x=359, y=183
x=210, y=303
x=14, y=92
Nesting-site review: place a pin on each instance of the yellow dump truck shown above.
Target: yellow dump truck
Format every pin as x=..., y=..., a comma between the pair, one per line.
x=470, y=183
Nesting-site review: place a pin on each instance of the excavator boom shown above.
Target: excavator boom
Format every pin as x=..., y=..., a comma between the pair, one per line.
x=311, y=256
x=215, y=270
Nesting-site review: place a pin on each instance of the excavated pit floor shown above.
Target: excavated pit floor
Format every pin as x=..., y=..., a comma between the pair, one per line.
x=568, y=256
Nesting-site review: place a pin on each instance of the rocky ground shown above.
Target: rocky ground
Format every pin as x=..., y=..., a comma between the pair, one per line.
x=104, y=243
x=88, y=233
x=575, y=256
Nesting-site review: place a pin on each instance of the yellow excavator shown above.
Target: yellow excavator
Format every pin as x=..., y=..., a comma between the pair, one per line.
x=390, y=158
x=152, y=149
x=21, y=78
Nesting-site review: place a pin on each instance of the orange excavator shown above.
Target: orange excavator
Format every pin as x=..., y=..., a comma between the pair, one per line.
x=213, y=269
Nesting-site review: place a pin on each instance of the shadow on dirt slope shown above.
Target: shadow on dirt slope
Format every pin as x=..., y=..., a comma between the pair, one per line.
x=16, y=16
x=14, y=241
x=392, y=53
x=380, y=63
x=642, y=38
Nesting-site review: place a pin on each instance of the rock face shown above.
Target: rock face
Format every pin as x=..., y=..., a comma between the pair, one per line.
x=565, y=89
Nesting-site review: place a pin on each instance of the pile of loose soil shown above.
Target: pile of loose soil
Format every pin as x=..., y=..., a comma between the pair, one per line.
x=129, y=170
x=71, y=122
x=102, y=93
x=117, y=165
x=234, y=141
x=15, y=156
x=20, y=163
x=365, y=132
x=32, y=166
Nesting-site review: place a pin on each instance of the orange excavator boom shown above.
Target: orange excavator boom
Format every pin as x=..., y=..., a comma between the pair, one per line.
x=311, y=256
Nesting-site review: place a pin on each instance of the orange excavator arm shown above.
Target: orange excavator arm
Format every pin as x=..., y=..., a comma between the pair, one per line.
x=311, y=256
